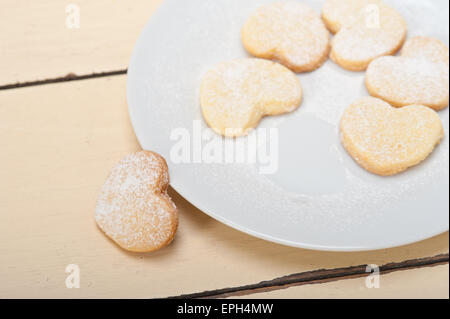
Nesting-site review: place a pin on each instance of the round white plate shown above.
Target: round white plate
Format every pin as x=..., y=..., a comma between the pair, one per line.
x=318, y=198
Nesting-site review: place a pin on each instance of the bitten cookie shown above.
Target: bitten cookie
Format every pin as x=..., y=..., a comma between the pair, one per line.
x=133, y=207
x=385, y=140
x=235, y=95
x=365, y=30
x=419, y=76
x=290, y=33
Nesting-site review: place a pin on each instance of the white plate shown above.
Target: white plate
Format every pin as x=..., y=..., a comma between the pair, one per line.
x=319, y=198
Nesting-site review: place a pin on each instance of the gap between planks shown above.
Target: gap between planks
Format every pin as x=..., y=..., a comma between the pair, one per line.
x=68, y=78
x=316, y=277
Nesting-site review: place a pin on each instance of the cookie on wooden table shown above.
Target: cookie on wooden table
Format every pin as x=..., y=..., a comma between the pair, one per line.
x=133, y=208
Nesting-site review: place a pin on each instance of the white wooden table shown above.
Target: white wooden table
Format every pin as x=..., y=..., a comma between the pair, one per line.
x=64, y=124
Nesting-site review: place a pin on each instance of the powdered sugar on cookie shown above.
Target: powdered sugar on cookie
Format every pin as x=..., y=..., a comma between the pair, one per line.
x=431, y=49
x=133, y=208
x=365, y=30
x=235, y=95
x=419, y=76
x=387, y=141
x=290, y=32
x=337, y=13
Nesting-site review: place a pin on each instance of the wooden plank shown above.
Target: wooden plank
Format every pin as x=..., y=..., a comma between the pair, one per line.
x=37, y=44
x=58, y=143
x=319, y=276
x=432, y=283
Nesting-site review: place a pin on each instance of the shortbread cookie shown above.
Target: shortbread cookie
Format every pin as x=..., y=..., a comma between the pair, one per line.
x=386, y=140
x=431, y=49
x=336, y=13
x=365, y=30
x=133, y=208
x=290, y=33
x=235, y=95
x=419, y=76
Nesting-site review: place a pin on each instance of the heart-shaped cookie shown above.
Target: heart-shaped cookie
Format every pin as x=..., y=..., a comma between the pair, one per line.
x=289, y=32
x=235, y=95
x=337, y=13
x=386, y=140
x=419, y=76
x=365, y=30
x=133, y=207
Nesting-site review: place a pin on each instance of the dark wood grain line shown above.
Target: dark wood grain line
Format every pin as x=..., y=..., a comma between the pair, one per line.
x=315, y=277
x=68, y=78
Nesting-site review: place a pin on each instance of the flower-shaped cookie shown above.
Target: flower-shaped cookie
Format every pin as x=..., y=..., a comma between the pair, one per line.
x=365, y=30
x=387, y=140
x=419, y=76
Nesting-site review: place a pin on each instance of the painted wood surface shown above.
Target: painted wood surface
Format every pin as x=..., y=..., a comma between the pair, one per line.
x=58, y=142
